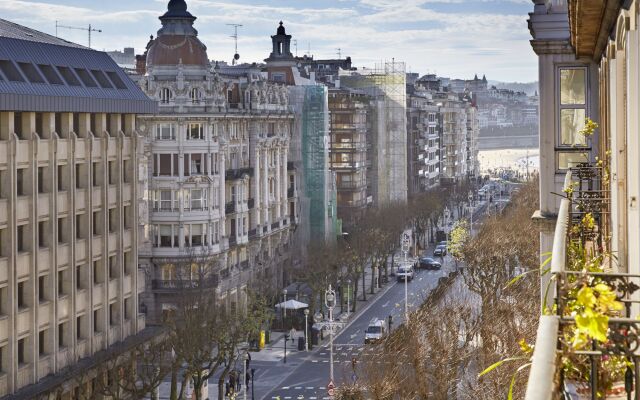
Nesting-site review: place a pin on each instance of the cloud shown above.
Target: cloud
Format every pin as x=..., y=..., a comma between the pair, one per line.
x=428, y=34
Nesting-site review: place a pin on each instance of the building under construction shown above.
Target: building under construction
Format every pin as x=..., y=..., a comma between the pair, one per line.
x=386, y=86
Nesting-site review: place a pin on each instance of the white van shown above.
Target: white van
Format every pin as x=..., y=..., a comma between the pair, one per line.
x=376, y=330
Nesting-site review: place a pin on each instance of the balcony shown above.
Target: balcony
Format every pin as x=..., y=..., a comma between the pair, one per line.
x=233, y=240
x=290, y=166
x=588, y=343
x=291, y=193
x=162, y=285
x=230, y=208
x=275, y=226
x=351, y=185
x=238, y=173
x=252, y=234
x=251, y=203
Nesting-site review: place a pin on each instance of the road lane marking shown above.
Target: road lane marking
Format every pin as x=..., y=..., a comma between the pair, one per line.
x=385, y=304
x=285, y=388
x=298, y=387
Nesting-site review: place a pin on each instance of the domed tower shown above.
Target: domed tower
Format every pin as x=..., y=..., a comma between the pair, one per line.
x=177, y=41
x=281, y=62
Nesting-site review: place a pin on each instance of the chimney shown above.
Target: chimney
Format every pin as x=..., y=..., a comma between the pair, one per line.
x=141, y=64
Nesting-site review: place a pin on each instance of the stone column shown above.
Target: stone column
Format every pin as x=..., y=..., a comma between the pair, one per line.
x=256, y=187
x=265, y=187
x=278, y=184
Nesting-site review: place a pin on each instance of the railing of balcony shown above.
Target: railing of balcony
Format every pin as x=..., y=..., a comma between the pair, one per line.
x=237, y=173
x=275, y=225
x=587, y=342
x=230, y=208
x=164, y=284
x=351, y=185
x=290, y=192
x=233, y=240
x=251, y=203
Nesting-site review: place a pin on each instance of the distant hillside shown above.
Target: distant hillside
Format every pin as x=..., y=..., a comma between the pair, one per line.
x=529, y=88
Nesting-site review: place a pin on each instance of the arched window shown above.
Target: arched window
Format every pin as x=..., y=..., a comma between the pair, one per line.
x=165, y=95
x=195, y=95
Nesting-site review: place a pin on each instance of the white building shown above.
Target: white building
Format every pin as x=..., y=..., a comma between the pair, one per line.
x=217, y=162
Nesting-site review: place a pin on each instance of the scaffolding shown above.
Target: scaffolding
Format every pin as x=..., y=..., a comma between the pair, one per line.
x=310, y=151
x=386, y=86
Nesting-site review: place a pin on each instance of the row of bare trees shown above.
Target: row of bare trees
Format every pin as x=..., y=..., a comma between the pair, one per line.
x=369, y=246
x=473, y=320
x=201, y=337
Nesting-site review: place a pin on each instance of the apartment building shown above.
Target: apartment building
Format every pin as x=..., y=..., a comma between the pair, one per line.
x=588, y=68
x=219, y=179
x=423, y=140
x=69, y=227
x=454, y=137
x=348, y=152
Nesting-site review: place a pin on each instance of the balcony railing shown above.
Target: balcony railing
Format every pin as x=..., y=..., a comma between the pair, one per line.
x=237, y=173
x=233, y=240
x=290, y=193
x=275, y=225
x=251, y=203
x=599, y=368
x=351, y=185
x=230, y=208
x=172, y=285
x=253, y=233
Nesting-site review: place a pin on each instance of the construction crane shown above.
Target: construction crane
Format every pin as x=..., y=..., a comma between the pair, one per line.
x=236, y=56
x=89, y=30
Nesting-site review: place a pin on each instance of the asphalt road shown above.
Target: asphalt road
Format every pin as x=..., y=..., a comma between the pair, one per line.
x=310, y=376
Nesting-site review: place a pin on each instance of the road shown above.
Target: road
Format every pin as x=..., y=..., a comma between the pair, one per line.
x=310, y=375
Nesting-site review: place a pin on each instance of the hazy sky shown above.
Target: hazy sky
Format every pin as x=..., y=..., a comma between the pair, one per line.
x=456, y=38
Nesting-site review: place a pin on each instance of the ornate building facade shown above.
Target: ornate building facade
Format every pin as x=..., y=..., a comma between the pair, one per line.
x=216, y=161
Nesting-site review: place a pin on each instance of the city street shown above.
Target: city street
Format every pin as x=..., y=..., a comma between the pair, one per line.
x=310, y=375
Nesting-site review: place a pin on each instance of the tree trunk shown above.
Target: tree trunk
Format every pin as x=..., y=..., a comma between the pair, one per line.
x=364, y=284
x=373, y=276
x=355, y=296
x=174, y=384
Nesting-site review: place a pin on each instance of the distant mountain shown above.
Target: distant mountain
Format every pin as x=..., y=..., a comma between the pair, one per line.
x=529, y=88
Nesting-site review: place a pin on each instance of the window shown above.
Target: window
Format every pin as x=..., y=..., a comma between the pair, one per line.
x=30, y=71
x=61, y=283
x=79, y=277
x=20, y=183
x=573, y=106
x=187, y=235
x=215, y=232
x=97, y=181
x=42, y=288
x=165, y=95
x=22, y=300
x=4, y=301
x=127, y=306
x=62, y=181
x=196, y=132
x=68, y=76
x=194, y=164
x=165, y=132
x=113, y=220
x=97, y=322
x=63, y=230
x=50, y=74
x=195, y=95
x=113, y=267
x=101, y=78
x=85, y=77
x=198, y=235
x=127, y=263
x=166, y=165
x=113, y=173
x=115, y=79
x=113, y=314
x=42, y=235
x=21, y=351
x=166, y=235
x=62, y=334
x=79, y=325
x=42, y=342
x=568, y=160
x=127, y=218
x=21, y=241
x=41, y=180
x=164, y=200
x=97, y=223
x=10, y=71
x=98, y=273
x=198, y=199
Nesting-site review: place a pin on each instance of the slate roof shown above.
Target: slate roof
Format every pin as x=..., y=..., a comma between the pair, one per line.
x=42, y=73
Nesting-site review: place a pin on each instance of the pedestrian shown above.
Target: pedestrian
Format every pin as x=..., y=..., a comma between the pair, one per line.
x=292, y=333
x=238, y=382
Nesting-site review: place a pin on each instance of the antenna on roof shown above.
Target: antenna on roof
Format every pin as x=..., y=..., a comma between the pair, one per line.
x=236, y=56
x=295, y=44
x=339, y=53
x=89, y=30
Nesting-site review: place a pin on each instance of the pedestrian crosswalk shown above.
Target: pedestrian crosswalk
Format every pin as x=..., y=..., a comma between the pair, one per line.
x=302, y=392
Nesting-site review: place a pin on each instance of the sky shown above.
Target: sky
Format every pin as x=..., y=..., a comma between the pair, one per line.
x=453, y=38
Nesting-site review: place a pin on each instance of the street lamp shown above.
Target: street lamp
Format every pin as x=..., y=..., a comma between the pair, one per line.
x=330, y=302
x=253, y=372
x=284, y=306
x=245, y=360
x=306, y=328
x=348, y=297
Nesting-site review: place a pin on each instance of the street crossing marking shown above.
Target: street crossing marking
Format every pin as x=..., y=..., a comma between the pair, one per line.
x=310, y=388
x=285, y=388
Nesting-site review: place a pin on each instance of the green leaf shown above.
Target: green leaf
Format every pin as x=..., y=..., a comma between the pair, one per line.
x=497, y=364
x=513, y=380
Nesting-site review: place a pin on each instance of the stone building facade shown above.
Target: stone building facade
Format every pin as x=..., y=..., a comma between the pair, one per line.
x=69, y=229
x=217, y=171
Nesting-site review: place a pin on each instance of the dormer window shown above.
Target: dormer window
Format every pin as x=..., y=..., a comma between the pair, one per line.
x=195, y=95
x=165, y=95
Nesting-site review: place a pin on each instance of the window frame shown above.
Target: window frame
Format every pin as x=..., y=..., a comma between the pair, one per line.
x=587, y=107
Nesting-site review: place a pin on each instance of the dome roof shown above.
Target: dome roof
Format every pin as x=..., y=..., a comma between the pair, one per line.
x=176, y=49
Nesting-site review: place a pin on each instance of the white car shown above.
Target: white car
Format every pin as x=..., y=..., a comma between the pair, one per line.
x=375, y=331
x=404, y=272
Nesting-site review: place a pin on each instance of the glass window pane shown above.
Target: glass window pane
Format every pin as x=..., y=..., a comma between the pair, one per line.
x=568, y=160
x=572, y=86
x=571, y=122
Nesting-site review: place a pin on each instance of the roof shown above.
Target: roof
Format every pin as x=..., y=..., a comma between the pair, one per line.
x=42, y=73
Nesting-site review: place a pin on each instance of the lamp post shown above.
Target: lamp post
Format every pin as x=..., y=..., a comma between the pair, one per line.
x=447, y=215
x=284, y=306
x=306, y=328
x=406, y=243
x=245, y=359
x=471, y=210
x=330, y=302
x=348, y=297
x=286, y=339
x=253, y=372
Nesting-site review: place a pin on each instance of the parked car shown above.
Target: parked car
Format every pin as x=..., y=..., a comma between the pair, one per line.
x=443, y=243
x=375, y=331
x=404, y=272
x=429, y=263
x=440, y=251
